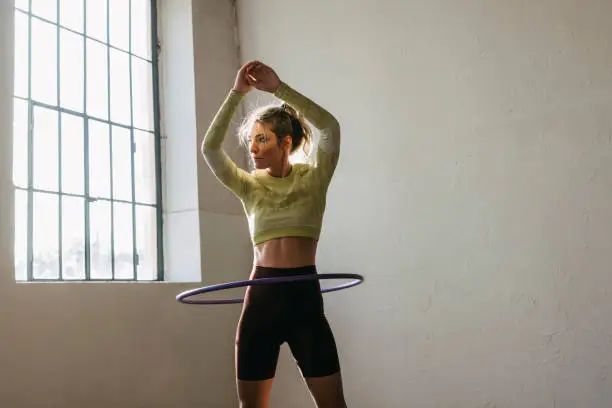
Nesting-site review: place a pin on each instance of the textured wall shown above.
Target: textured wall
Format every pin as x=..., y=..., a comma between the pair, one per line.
x=473, y=191
x=130, y=345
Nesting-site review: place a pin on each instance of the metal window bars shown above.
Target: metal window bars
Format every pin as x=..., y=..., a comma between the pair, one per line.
x=112, y=126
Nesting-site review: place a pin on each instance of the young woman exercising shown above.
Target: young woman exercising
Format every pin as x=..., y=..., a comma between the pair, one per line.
x=284, y=204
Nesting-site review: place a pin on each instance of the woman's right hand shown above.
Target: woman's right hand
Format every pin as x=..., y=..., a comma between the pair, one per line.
x=243, y=84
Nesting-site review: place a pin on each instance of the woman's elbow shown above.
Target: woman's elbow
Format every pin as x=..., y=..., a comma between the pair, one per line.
x=334, y=132
x=207, y=147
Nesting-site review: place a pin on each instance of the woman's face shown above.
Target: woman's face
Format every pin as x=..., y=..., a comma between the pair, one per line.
x=264, y=148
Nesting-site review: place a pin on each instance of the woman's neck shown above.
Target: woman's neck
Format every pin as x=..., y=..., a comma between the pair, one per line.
x=283, y=171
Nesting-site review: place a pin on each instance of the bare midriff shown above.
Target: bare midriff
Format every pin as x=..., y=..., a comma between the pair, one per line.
x=285, y=252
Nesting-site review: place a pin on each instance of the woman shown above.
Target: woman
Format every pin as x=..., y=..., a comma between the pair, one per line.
x=284, y=203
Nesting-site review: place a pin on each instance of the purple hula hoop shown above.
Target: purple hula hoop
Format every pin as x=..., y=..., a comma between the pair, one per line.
x=183, y=297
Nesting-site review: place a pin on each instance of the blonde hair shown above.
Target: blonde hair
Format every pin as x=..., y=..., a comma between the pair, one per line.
x=283, y=120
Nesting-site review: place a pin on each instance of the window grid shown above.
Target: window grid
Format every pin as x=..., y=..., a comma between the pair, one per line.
x=84, y=35
x=87, y=118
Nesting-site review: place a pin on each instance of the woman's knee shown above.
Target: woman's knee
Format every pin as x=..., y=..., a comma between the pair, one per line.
x=254, y=394
x=327, y=391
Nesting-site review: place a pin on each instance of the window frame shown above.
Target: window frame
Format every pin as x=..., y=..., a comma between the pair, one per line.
x=32, y=104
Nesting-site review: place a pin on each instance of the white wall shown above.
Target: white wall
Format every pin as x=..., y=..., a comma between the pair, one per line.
x=473, y=191
x=204, y=225
x=179, y=140
x=132, y=345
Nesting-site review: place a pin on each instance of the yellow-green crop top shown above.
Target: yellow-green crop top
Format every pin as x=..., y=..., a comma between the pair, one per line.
x=278, y=206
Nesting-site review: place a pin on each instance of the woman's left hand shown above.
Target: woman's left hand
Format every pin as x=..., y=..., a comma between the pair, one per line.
x=263, y=77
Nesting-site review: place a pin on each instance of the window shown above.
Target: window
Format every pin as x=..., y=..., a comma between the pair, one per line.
x=86, y=156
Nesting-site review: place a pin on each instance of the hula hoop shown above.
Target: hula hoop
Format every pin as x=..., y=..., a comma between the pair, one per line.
x=183, y=297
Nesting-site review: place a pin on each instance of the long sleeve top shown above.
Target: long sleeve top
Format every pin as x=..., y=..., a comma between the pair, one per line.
x=278, y=206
